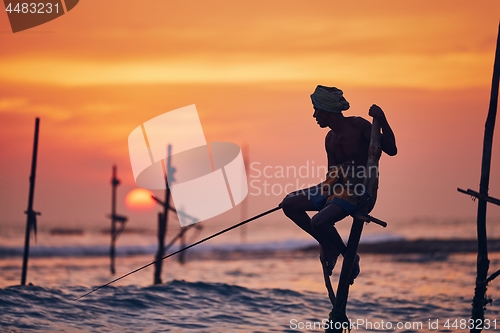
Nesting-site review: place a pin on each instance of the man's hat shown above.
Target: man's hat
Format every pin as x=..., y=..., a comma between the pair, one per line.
x=329, y=99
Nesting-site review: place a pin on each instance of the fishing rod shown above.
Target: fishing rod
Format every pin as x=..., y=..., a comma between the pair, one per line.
x=183, y=249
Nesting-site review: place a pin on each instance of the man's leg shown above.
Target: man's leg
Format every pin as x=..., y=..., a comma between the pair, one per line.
x=323, y=224
x=295, y=207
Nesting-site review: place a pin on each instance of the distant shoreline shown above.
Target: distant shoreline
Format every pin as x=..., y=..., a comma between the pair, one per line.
x=422, y=246
x=264, y=250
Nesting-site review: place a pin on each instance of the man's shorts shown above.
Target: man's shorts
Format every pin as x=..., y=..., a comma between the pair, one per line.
x=319, y=200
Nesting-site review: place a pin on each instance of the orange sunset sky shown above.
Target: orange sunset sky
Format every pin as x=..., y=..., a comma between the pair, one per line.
x=104, y=68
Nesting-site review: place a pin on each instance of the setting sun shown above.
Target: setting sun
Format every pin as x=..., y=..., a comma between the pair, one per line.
x=139, y=199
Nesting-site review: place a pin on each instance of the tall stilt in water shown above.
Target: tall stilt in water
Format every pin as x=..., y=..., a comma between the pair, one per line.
x=162, y=232
x=244, y=204
x=169, y=172
x=479, y=301
x=31, y=218
x=115, y=218
x=182, y=255
x=163, y=218
x=338, y=314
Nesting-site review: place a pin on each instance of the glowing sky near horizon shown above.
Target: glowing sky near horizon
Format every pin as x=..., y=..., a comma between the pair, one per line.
x=99, y=71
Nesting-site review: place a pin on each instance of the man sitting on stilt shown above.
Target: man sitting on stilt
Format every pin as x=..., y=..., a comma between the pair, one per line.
x=342, y=192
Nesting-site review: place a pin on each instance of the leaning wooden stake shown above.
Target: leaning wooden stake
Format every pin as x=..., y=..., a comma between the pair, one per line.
x=244, y=204
x=162, y=232
x=182, y=255
x=163, y=219
x=338, y=314
x=115, y=218
x=31, y=219
x=479, y=301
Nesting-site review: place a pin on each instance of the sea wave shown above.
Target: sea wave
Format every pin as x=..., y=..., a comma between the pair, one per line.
x=181, y=306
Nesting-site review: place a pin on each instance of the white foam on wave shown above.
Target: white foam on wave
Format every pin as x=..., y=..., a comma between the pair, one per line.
x=130, y=250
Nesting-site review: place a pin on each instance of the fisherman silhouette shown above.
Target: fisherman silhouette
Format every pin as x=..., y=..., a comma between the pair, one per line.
x=338, y=196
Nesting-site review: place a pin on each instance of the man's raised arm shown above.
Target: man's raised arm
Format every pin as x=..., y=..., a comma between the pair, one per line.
x=387, y=139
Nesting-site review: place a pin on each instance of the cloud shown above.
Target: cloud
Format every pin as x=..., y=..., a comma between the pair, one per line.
x=9, y=104
x=454, y=70
x=17, y=105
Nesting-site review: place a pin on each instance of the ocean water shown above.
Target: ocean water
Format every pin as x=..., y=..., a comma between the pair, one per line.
x=257, y=295
x=231, y=286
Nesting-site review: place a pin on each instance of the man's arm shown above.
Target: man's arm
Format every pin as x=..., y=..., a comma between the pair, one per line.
x=387, y=139
x=329, y=157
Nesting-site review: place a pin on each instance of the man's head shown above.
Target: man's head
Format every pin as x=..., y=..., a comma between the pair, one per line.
x=329, y=99
x=328, y=104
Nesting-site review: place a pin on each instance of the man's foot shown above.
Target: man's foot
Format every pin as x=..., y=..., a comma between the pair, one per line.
x=355, y=269
x=328, y=257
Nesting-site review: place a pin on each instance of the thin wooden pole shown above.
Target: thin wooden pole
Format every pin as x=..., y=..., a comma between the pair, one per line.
x=244, y=204
x=338, y=314
x=182, y=255
x=163, y=220
x=31, y=218
x=115, y=218
x=114, y=184
x=479, y=301
x=162, y=224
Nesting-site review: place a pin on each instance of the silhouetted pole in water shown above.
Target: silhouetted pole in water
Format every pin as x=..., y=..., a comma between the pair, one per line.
x=182, y=257
x=244, y=204
x=163, y=222
x=338, y=314
x=31, y=218
x=162, y=231
x=161, y=238
x=114, y=219
x=163, y=218
x=479, y=301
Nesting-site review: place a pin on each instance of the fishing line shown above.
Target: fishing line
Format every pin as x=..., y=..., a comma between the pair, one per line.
x=183, y=249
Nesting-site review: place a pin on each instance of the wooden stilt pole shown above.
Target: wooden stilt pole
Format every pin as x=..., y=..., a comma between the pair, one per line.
x=163, y=219
x=114, y=183
x=115, y=231
x=31, y=218
x=182, y=255
x=244, y=204
x=338, y=314
x=479, y=301
x=162, y=230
